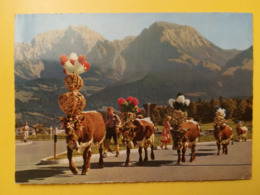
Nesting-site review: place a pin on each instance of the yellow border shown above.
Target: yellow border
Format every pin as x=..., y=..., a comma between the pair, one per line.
x=7, y=147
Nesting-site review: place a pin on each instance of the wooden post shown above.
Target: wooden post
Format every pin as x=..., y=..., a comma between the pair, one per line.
x=55, y=142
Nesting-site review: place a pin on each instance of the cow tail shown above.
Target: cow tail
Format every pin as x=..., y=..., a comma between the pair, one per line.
x=152, y=139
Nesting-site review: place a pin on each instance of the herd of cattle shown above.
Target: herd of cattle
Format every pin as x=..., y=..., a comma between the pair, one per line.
x=90, y=130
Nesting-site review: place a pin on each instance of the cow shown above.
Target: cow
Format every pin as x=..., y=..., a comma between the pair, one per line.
x=139, y=132
x=83, y=131
x=185, y=135
x=241, y=131
x=223, y=135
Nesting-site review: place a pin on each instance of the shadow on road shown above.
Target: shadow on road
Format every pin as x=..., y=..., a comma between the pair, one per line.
x=40, y=174
x=204, y=154
x=151, y=163
x=207, y=150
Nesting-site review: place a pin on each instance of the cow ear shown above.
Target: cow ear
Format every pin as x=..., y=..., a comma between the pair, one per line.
x=138, y=123
x=61, y=118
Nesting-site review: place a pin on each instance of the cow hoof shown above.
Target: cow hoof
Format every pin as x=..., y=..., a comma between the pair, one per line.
x=100, y=166
x=74, y=171
x=127, y=164
x=84, y=173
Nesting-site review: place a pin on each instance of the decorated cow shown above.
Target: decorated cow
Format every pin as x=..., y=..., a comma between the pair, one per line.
x=139, y=133
x=83, y=129
x=222, y=132
x=135, y=131
x=241, y=131
x=184, y=132
x=83, y=132
x=186, y=136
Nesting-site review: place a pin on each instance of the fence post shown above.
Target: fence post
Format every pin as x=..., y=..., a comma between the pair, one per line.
x=55, y=142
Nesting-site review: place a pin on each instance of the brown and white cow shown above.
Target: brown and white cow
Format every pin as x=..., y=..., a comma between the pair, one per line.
x=185, y=135
x=82, y=132
x=139, y=133
x=223, y=135
x=241, y=132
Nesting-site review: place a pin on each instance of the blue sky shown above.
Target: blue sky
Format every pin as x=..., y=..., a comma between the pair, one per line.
x=226, y=30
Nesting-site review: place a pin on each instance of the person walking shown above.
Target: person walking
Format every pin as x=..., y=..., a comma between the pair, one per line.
x=112, y=122
x=166, y=134
x=25, y=132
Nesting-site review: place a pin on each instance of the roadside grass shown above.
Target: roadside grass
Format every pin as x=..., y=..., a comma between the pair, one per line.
x=202, y=138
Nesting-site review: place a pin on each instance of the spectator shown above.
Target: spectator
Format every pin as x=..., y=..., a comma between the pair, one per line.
x=25, y=132
x=166, y=134
x=112, y=122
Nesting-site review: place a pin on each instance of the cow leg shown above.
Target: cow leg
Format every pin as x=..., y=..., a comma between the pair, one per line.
x=86, y=159
x=101, y=162
x=179, y=155
x=146, y=154
x=127, y=156
x=226, y=148
x=152, y=153
x=140, y=154
x=192, y=157
x=183, y=153
x=219, y=147
x=73, y=168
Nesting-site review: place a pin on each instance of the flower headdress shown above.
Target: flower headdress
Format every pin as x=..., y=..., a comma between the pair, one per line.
x=128, y=105
x=180, y=103
x=220, y=115
x=74, y=64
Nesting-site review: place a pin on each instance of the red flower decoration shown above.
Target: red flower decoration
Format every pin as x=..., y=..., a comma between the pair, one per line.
x=63, y=59
x=120, y=101
x=72, y=61
x=138, y=110
x=129, y=99
x=134, y=101
x=82, y=59
x=86, y=66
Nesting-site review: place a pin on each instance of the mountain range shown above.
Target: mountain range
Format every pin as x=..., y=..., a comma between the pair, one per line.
x=154, y=66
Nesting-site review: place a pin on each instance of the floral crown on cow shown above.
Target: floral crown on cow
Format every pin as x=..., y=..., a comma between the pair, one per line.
x=180, y=103
x=74, y=64
x=129, y=104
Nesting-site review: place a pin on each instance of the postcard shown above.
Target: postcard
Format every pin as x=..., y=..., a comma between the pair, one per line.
x=133, y=97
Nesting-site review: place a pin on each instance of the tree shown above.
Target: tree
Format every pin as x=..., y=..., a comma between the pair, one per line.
x=241, y=109
x=192, y=110
x=156, y=117
x=230, y=106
